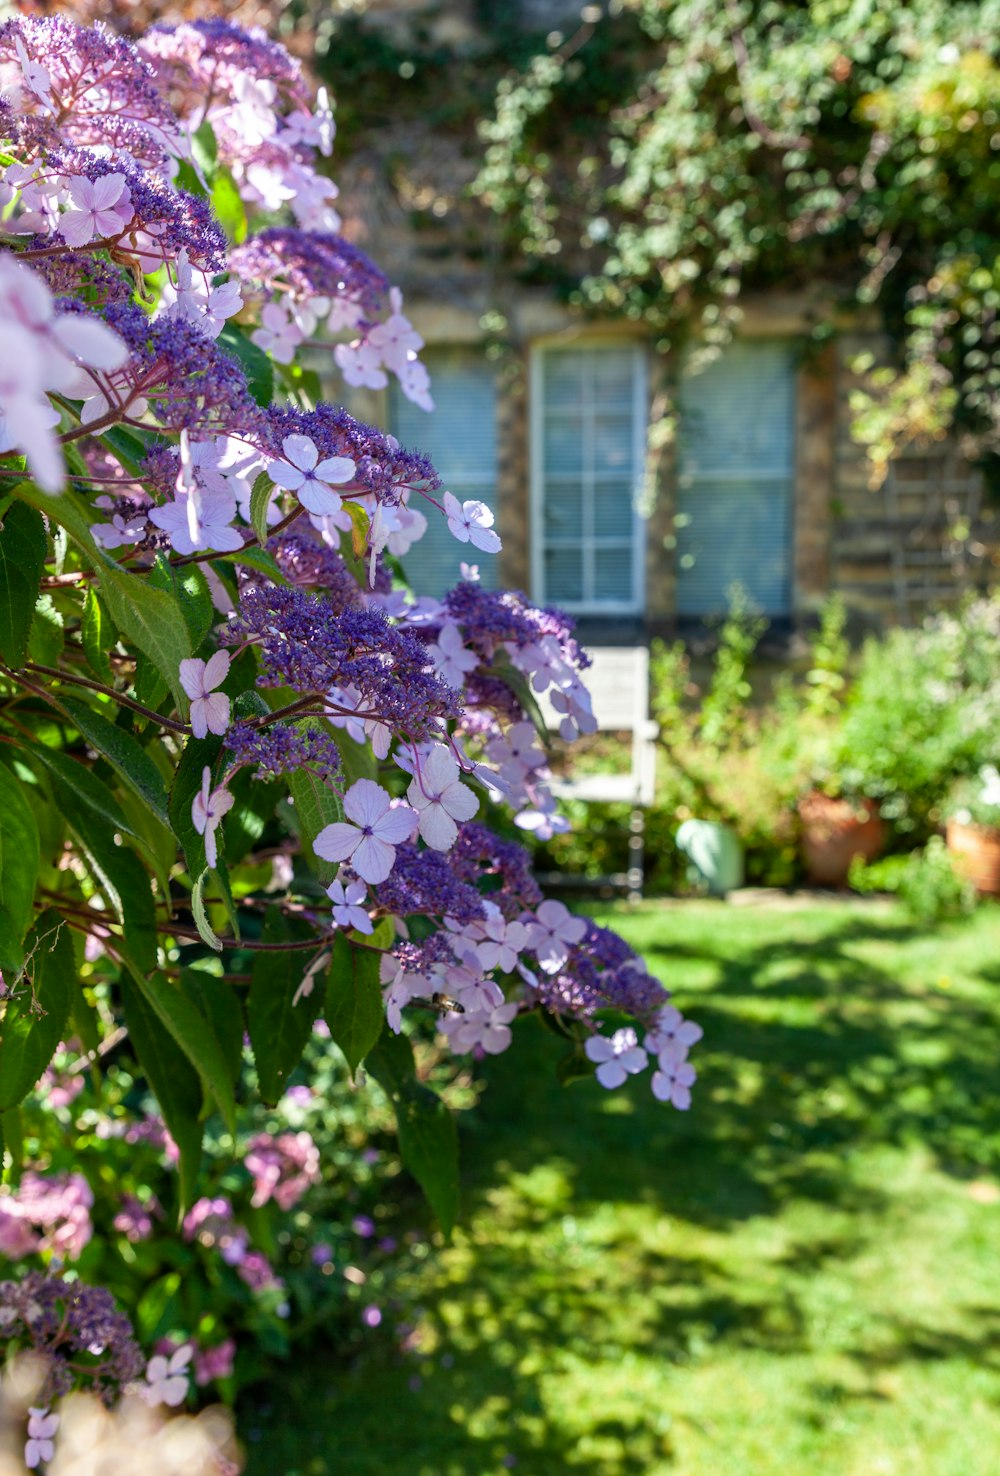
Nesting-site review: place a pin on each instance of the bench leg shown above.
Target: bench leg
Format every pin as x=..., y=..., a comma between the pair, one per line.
x=637, y=825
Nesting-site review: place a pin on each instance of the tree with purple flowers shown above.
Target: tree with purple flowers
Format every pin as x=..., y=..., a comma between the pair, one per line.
x=250, y=782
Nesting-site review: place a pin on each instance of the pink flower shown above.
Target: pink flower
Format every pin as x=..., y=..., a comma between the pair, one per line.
x=39, y=1446
x=452, y=659
x=101, y=207
x=370, y=842
x=283, y=1167
x=207, y=811
x=471, y=522
x=674, y=1080
x=209, y=713
x=167, y=1381
x=214, y=1363
x=310, y=479
x=552, y=933
x=672, y=1034
x=347, y=909
x=279, y=335
x=440, y=798
x=617, y=1058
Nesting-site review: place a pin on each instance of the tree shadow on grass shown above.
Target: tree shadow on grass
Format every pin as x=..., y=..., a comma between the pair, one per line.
x=819, y=1059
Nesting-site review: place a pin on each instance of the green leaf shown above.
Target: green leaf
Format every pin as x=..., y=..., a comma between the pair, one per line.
x=125, y=755
x=18, y=870
x=45, y=643
x=123, y=881
x=254, y=362
x=278, y=1027
x=201, y=922
x=37, y=1011
x=174, y=1081
x=228, y=206
x=205, y=147
x=354, y=1009
x=128, y=445
x=179, y=1014
x=23, y=546
x=316, y=805
x=80, y=789
x=189, y=588
x=13, y=1134
x=428, y=1140
x=218, y=1002
x=147, y=617
x=260, y=501
x=259, y=559
x=98, y=635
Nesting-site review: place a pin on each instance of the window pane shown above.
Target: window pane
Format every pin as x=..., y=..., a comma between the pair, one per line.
x=564, y=574
x=459, y=436
x=738, y=414
x=563, y=445
x=613, y=448
x=613, y=511
x=613, y=575
x=613, y=375
x=564, y=511
x=564, y=373
x=732, y=532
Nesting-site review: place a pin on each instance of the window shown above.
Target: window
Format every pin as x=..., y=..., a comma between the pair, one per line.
x=460, y=438
x=588, y=439
x=736, y=466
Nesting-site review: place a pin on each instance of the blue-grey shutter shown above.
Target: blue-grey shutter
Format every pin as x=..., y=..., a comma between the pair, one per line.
x=587, y=468
x=459, y=435
x=736, y=468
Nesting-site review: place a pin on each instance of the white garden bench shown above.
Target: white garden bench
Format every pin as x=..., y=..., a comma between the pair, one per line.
x=618, y=682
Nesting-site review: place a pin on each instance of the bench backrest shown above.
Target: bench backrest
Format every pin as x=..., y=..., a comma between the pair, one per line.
x=618, y=682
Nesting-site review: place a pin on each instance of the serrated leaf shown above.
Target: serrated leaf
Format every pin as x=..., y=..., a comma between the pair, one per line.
x=98, y=635
x=190, y=1029
x=37, y=1011
x=189, y=587
x=316, y=805
x=46, y=640
x=252, y=360
x=218, y=1002
x=23, y=546
x=18, y=870
x=205, y=147
x=260, y=501
x=81, y=791
x=279, y=1028
x=128, y=445
x=205, y=930
x=354, y=1010
x=259, y=559
x=428, y=1139
x=175, y=1083
x=125, y=755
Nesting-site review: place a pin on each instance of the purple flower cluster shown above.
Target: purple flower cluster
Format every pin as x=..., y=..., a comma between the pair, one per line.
x=191, y=384
x=281, y=749
x=57, y=1205
x=506, y=866
x=602, y=972
x=307, y=645
x=312, y=264
x=78, y=1331
x=283, y=1167
x=493, y=618
x=426, y=882
x=313, y=565
x=381, y=465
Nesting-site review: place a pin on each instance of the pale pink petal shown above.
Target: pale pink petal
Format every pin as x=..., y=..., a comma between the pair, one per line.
x=192, y=674
x=288, y=477
x=77, y=228
x=438, y=828
x=396, y=825
x=460, y=802
x=216, y=710
x=301, y=452
x=610, y=1074
x=365, y=802
x=336, y=842
x=319, y=500
x=107, y=190
x=217, y=669
x=93, y=343
x=373, y=859
x=335, y=469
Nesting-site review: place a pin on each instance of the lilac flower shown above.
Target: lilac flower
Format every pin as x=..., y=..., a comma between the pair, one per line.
x=347, y=909
x=39, y=1446
x=256, y=1270
x=672, y=1034
x=551, y=934
x=64, y=1322
x=101, y=207
x=364, y=1226
x=214, y=1363
x=199, y=521
x=673, y=1081
x=487, y=1030
x=279, y=334
x=617, y=1057
x=283, y=1167
x=209, y=709
x=207, y=810
x=310, y=479
x=440, y=799
x=427, y=882
x=166, y=1379
x=370, y=834
x=451, y=658
x=471, y=522
x=281, y=748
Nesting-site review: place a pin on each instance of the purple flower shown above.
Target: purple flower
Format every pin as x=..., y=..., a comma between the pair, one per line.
x=371, y=832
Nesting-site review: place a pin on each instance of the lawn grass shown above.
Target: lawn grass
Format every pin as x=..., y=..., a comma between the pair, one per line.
x=800, y=1276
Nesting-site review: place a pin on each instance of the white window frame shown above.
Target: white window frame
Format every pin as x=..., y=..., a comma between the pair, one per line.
x=640, y=418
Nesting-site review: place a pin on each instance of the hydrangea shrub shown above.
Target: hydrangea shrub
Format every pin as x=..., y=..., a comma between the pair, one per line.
x=249, y=780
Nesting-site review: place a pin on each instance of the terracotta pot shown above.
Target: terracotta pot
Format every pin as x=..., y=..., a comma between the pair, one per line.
x=834, y=831
x=975, y=850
